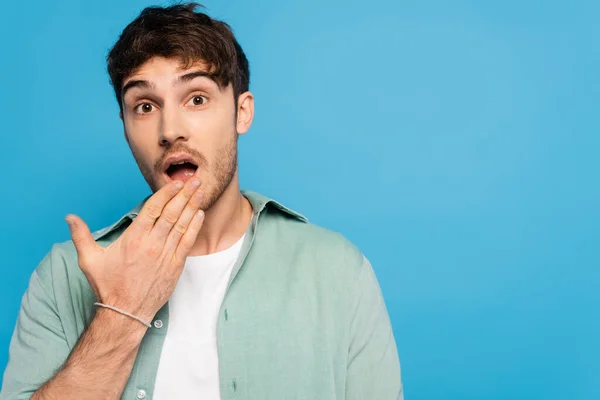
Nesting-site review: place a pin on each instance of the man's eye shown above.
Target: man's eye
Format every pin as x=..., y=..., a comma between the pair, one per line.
x=197, y=101
x=144, y=108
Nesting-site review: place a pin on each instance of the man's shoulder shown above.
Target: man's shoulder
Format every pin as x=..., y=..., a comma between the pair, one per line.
x=311, y=242
x=61, y=253
x=315, y=235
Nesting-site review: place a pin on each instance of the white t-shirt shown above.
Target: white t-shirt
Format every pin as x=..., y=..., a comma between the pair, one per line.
x=189, y=363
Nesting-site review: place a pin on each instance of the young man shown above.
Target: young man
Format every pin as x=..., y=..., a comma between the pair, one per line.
x=202, y=291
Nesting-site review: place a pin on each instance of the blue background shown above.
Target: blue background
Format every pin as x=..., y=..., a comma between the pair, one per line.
x=456, y=143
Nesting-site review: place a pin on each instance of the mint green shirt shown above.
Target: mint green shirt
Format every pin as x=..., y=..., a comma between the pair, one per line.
x=302, y=318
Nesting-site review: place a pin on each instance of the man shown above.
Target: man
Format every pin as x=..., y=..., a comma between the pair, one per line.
x=202, y=291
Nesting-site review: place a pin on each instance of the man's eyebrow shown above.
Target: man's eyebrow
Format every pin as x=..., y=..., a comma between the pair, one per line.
x=140, y=83
x=195, y=74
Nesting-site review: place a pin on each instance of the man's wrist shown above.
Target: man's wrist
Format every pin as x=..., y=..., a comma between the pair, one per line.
x=126, y=327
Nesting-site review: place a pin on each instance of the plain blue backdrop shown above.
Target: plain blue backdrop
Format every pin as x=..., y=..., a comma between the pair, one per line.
x=456, y=143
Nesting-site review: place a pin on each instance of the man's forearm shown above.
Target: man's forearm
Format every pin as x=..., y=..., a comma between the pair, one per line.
x=101, y=362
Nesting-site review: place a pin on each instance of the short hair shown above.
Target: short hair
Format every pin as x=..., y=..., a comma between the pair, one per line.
x=180, y=32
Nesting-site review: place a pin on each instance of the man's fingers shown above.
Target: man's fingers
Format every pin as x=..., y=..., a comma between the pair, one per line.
x=189, y=238
x=184, y=221
x=171, y=213
x=155, y=205
x=82, y=237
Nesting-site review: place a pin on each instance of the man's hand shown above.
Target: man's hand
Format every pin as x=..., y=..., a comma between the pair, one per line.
x=138, y=271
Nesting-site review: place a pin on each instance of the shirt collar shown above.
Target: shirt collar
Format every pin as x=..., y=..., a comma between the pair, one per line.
x=258, y=202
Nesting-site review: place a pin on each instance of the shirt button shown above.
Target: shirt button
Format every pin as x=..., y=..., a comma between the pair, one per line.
x=157, y=324
x=141, y=394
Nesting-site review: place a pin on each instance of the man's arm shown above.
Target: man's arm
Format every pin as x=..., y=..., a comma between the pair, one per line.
x=373, y=365
x=100, y=363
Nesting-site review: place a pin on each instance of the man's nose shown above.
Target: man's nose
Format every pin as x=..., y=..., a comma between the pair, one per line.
x=171, y=129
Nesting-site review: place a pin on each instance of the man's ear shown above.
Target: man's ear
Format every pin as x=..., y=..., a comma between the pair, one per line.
x=245, y=112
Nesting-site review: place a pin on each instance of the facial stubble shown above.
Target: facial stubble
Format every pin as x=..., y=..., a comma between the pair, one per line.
x=220, y=173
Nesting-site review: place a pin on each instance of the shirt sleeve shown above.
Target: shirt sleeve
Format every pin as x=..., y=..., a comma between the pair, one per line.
x=373, y=363
x=38, y=347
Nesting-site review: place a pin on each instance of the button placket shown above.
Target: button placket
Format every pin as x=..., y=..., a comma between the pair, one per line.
x=141, y=394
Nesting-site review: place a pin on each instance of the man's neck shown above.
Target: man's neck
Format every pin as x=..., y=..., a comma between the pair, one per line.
x=225, y=222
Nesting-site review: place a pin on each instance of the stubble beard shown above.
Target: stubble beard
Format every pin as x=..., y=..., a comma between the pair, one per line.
x=221, y=173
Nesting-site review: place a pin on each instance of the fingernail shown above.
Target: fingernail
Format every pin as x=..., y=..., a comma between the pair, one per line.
x=195, y=183
x=178, y=184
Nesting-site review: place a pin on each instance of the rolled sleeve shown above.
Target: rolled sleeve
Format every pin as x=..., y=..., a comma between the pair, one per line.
x=38, y=347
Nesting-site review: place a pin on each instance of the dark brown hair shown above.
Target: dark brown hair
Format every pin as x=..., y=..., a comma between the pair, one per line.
x=180, y=32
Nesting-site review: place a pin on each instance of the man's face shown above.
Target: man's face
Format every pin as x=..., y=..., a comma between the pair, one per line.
x=179, y=123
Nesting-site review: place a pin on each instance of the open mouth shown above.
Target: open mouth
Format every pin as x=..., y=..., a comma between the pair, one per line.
x=181, y=170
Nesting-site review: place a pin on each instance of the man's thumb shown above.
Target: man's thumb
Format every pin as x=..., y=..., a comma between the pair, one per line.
x=81, y=235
